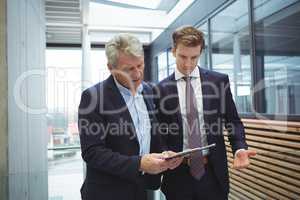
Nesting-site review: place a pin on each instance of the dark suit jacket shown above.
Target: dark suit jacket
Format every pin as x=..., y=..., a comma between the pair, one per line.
x=218, y=111
x=110, y=147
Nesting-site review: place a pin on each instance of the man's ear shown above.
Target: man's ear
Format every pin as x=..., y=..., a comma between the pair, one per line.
x=174, y=51
x=110, y=67
x=201, y=50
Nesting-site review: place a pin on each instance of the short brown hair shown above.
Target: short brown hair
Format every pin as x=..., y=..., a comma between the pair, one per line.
x=188, y=36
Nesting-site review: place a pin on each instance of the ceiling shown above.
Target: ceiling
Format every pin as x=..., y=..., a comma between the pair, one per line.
x=163, y=5
x=143, y=18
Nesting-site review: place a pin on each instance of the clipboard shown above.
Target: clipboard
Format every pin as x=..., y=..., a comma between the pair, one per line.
x=189, y=151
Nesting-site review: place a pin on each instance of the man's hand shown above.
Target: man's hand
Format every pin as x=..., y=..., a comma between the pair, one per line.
x=172, y=163
x=153, y=163
x=241, y=159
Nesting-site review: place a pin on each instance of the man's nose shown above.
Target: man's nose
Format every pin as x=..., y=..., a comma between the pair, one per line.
x=188, y=63
x=136, y=73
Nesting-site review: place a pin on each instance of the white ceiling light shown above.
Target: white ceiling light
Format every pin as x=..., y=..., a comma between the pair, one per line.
x=153, y=4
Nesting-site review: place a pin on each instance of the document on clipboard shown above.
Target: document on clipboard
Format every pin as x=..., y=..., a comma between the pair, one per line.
x=189, y=151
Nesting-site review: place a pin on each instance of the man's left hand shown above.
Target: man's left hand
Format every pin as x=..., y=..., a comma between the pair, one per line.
x=241, y=159
x=172, y=163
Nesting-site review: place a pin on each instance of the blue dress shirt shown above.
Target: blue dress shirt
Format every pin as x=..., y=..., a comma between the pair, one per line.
x=139, y=115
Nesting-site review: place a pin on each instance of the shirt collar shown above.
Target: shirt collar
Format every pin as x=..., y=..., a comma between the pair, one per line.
x=126, y=91
x=195, y=74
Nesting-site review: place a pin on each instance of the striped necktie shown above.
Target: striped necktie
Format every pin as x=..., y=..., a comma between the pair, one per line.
x=194, y=137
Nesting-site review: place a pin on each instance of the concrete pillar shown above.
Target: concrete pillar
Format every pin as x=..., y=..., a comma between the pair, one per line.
x=27, y=132
x=3, y=103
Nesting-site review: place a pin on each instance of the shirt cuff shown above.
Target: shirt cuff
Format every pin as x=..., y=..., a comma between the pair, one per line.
x=238, y=151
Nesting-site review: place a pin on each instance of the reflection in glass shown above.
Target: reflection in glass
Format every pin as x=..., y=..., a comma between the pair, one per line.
x=230, y=51
x=277, y=37
x=63, y=95
x=65, y=167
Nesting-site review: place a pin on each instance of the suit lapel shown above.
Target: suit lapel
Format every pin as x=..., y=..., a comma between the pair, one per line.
x=148, y=99
x=173, y=91
x=206, y=90
x=175, y=100
x=117, y=102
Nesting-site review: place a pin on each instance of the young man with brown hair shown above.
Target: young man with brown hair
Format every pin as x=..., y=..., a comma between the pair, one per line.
x=195, y=103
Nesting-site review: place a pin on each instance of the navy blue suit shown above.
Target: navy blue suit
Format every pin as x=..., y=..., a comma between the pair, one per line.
x=112, y=153
x=218, y=111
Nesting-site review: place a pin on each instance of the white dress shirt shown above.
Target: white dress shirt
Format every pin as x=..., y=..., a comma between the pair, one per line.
x=181, y=87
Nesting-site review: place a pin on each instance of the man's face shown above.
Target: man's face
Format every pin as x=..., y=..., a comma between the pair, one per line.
x=186, y=57
x=129, y=71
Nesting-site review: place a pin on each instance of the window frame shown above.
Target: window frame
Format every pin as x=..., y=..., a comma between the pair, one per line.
x=257, y=73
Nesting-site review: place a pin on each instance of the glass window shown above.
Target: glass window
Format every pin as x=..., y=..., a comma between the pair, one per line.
x=99, y=69
x=162, y=66
x=65, y=167
x=203, y=61
x=231, y=51
x=277, y=39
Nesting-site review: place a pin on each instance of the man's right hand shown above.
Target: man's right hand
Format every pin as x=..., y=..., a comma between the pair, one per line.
x=153, y=163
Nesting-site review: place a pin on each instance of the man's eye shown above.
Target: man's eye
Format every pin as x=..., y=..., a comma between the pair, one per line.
x=129, y=69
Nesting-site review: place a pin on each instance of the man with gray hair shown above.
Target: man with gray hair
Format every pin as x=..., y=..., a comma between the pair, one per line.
x=118, y=136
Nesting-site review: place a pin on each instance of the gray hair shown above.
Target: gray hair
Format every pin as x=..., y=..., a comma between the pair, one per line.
x=125, y=43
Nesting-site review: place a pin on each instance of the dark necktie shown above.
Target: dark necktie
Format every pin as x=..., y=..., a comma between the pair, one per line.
x=194, y=137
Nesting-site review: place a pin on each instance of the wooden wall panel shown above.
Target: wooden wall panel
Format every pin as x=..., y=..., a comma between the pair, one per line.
x=275, y=172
